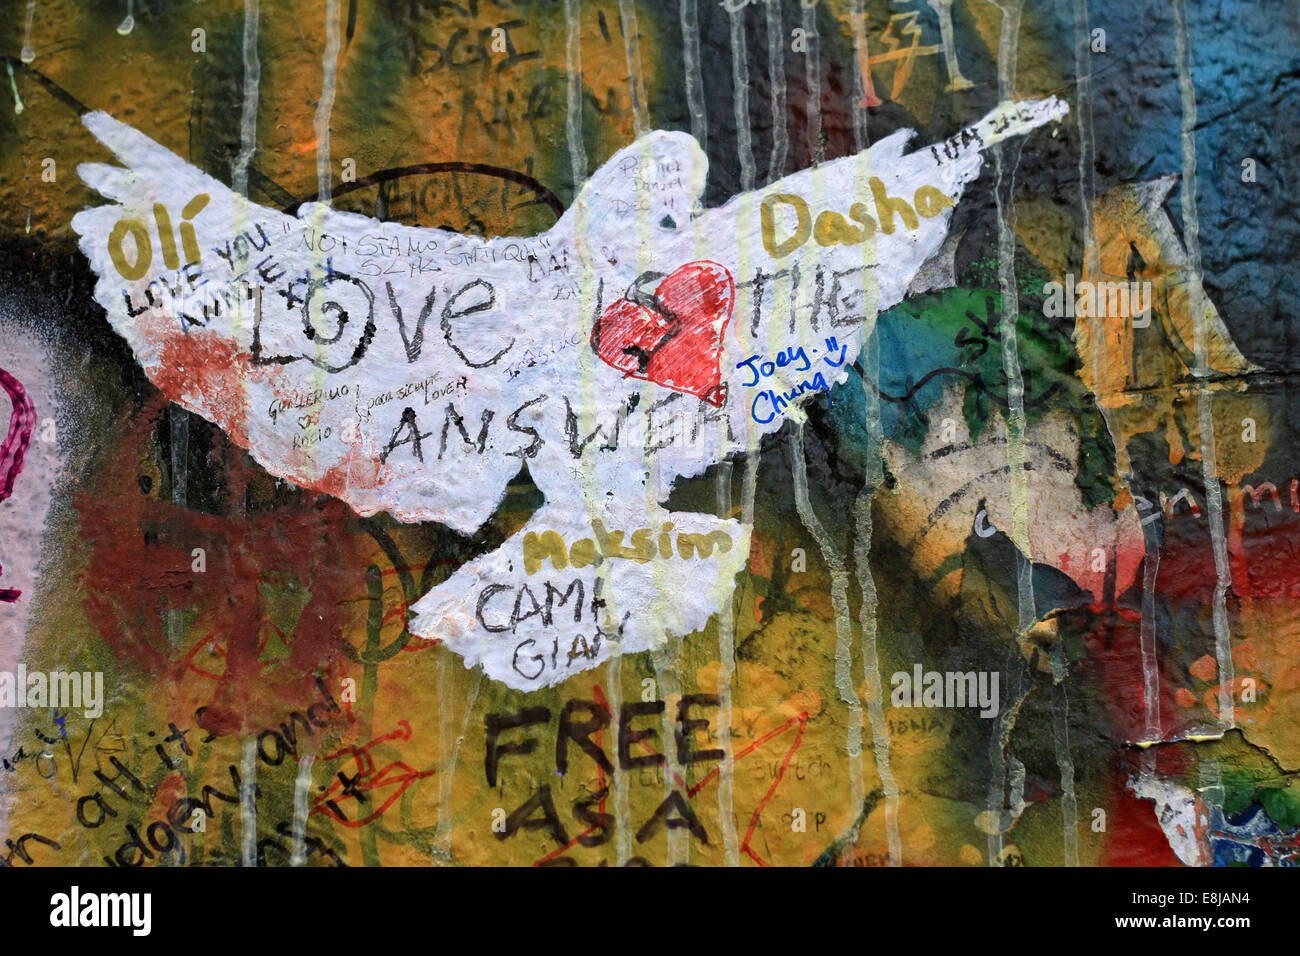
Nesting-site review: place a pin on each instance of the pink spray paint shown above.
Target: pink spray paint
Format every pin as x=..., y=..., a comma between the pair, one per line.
x=14, y=448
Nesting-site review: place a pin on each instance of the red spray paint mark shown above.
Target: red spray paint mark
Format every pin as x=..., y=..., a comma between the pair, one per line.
x=138, y=566
x=368, y=783
x=14, y=448
x=673, y=336
x=204, y=371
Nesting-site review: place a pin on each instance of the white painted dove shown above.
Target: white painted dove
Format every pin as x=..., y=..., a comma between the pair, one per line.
x=639, y=340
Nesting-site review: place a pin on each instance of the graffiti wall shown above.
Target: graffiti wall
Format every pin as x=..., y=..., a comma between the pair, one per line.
x=603, y=432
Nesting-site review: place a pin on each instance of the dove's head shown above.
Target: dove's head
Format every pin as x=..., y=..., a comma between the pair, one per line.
x=658, y=180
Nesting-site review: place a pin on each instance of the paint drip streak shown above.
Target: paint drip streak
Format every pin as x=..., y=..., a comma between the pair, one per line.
x=840, y=603
x=749, y=484
x=666, y=660
x=573, y=116
x=871, y=669
x=1092, y=266
x=326, y=105
x=27, y=54
x=1147, y=642
x=13, y=85
x=776, y=75
x=740, y=83
x=449, y=751
x=726, y=672
x=812, y=68
x=1204, y=402
x=248, y=802
x=592, y=306
x=1087, y=171
x=864, y=530
x=694, y=80
x=632, y=51
x=1064, y=760
x=1006, y=158
x=301, y=795
x=179, y=423
x=248, y=117
x=446, y=712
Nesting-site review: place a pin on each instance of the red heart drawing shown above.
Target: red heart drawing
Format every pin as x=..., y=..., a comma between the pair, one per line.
x=674, y=335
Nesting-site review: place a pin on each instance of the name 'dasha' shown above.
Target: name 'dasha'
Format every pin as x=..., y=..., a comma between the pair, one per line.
x=831, y=227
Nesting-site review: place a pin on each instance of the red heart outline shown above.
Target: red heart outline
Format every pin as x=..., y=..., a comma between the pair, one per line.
x=673, y=336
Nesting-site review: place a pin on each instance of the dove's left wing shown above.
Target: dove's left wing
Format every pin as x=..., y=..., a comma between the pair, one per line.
x=173, y=275
x=323, y=344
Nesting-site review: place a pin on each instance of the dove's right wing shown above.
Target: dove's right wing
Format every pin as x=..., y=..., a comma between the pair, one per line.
x=818, y=254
